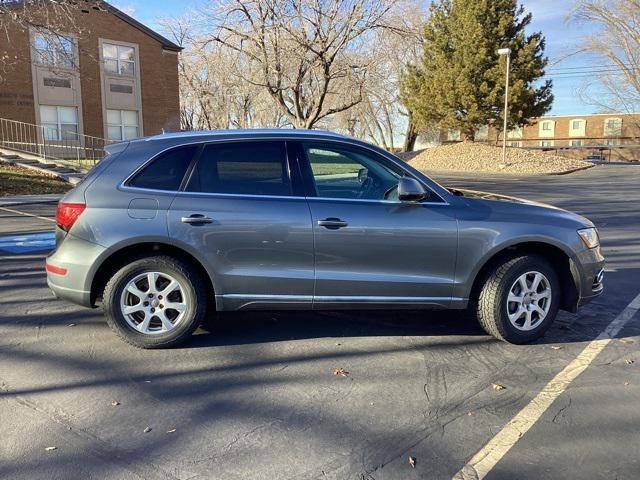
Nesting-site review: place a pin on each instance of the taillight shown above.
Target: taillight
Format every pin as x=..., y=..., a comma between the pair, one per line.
x=68, y=213
x=54, y=269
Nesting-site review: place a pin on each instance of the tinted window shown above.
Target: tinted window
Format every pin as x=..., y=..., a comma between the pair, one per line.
x=343, y=172
x=252, y=168
x=166, y=171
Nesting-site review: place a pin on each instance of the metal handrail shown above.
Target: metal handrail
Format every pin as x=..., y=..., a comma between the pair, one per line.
x=66, y=147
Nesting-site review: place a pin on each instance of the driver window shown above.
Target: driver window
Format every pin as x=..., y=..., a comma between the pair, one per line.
x=343, y=172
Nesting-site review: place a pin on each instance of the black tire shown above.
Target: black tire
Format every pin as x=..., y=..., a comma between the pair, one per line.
x=195, y=297
x=491, y=309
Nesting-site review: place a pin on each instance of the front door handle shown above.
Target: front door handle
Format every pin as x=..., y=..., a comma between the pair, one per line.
x=196, y=219
x=332, y=223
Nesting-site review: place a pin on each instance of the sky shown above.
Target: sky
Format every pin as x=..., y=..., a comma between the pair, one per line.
x=549, y=16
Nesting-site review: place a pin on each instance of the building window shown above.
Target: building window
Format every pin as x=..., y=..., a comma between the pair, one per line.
x=612, y=141
x=119, y=59
x=547, y=128
x=453, y=135
x=546, y=143
x=122, y=124
x=59, y=123
x=53, y=50
x=514, y=144
x=613, y=127
x=577, y=143
x=577, y=128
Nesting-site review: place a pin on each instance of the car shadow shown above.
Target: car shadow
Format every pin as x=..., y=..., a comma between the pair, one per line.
x=458, y=327
x=230, y=328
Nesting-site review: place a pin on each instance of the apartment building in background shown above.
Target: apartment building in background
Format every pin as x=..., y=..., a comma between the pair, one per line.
x=116, y=80
x=614, y=135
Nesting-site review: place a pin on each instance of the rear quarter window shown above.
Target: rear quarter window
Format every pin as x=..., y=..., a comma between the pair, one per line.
x=166, y=171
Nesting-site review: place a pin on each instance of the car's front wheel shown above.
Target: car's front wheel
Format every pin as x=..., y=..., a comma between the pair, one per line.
x=155, y=302
x=519, y=299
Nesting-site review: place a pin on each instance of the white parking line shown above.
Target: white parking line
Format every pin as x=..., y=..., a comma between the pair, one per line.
x=483, y=461
x=11, y=210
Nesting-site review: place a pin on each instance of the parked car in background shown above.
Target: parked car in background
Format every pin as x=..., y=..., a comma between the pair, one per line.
x=167, y=230
x=594, y=157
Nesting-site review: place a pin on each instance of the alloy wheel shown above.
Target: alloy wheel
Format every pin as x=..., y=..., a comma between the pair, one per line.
x=153, y=303
x=529, y=300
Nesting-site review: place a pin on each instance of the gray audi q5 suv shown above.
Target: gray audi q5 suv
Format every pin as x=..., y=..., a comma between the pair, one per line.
x=167, y=230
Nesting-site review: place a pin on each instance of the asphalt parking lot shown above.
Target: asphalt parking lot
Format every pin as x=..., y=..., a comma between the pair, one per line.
x=255, y=397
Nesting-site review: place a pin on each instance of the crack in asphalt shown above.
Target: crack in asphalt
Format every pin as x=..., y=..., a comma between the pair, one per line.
x=562, y=410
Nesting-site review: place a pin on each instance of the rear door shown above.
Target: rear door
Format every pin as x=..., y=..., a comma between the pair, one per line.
x=370, y=248
x=239, y=210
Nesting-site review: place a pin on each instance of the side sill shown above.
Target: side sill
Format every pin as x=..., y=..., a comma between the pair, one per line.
x=231, y=302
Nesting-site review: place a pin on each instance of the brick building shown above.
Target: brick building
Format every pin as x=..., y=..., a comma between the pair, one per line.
x=613, y=135
x=114, y=78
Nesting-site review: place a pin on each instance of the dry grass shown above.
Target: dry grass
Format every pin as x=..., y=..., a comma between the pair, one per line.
x=477, y=157
x=16, y=180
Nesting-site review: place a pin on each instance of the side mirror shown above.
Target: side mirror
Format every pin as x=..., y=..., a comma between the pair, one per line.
x=410, y=190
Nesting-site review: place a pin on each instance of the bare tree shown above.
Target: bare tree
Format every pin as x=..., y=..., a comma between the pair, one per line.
x=214, y=92
x=304, y=51
x=380, y=116
x=616, y=41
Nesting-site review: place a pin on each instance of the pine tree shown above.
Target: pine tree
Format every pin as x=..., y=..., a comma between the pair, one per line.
x=460, y=82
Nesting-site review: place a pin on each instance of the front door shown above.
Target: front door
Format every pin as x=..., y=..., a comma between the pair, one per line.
x=370, y=248
x=239, y=212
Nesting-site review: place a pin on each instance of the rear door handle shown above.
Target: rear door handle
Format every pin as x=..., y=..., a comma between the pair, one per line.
x=196, y=219
x=332, y=223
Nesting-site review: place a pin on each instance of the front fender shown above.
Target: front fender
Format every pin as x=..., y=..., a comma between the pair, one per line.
x=472, y=262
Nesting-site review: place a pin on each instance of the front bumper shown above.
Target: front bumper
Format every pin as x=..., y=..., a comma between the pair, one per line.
x=590, y=266
x=79, y=258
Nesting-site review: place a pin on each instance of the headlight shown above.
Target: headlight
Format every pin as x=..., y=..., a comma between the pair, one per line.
x=590, y=237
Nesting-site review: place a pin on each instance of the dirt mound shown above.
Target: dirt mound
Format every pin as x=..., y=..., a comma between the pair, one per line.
x=477, y=157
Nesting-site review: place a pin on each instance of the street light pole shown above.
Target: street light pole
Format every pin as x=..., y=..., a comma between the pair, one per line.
x=507, y=52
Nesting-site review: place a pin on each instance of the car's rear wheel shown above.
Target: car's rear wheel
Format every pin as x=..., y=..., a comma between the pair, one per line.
x=155, y=302
x=519, y=299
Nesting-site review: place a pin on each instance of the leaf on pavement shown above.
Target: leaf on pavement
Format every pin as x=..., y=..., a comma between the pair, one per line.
x=412, y=462
x=497, y=386
x=340, y=372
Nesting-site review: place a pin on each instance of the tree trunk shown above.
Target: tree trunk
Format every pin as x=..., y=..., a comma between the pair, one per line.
x=411, y=136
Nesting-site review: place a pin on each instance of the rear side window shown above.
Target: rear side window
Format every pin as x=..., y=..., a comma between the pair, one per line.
x=166, y=171
x=251, y=168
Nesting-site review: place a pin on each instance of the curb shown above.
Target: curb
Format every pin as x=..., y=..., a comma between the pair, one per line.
x=14, y=200
x=467, y=173
x=587, y=167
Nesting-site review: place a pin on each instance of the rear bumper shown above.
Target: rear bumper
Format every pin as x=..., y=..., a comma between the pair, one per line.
x=80, y=297
x=78, y=258
x=591, y=275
